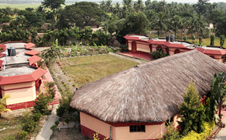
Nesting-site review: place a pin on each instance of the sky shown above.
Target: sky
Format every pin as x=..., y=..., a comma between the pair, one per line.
x=168, y=1
x=192, y=1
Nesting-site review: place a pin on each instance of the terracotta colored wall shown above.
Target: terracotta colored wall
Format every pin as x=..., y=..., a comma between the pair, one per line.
x=130, y=45
x=96, y=125
x=18, y=93
x=122, y=132
x=144, y=47
x=151, y=132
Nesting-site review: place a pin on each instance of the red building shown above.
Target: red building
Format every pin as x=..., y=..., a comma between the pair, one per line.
x=145, y=44
x=20, y=78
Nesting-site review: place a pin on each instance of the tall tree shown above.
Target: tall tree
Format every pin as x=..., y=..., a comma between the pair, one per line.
x=191, y=111
x=218, y=90
x=160, y=23
x=82, y=13
x=53, y=4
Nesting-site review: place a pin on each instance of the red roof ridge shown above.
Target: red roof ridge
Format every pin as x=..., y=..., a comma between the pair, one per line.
x=32, y=52
x=34, y=59
x=29, y=45
x=22, y=78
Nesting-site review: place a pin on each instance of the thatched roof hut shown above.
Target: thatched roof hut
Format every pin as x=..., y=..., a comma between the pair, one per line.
x=150, y=92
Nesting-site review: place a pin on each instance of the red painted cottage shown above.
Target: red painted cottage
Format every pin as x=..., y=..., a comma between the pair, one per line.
x=145, y=44
x=19, y=75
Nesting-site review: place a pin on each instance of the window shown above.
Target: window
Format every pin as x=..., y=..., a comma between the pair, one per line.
x=137, y=128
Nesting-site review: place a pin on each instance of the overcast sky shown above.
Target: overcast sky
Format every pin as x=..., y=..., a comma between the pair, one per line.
x=192, y=1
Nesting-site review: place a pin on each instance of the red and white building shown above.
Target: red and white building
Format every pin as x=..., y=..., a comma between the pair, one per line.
x=145, y=44
x=20, y=78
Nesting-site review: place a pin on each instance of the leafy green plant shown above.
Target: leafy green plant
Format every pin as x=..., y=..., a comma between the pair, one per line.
x=9, y=137
x=222, y=39
x=30, y=125
x=41, y=104
x=96, y=137
x=37, y=116
x=209, y=109
x=23, y=135
x=158, y=54
x=218, y=91
x=2, y=104
x=212, y=37
x=123, y=48
x=53, y=127
x=192, y=135
x=191, y=111
x=172, y=133
x=50, y=89
x=200, y=41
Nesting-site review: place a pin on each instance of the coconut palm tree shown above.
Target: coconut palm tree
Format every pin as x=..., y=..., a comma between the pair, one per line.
x=52, y=53
x=2, y=105
x=160, y=23
x=176, y=22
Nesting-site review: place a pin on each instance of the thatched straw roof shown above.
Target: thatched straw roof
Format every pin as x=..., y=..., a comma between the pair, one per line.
x=150, y=92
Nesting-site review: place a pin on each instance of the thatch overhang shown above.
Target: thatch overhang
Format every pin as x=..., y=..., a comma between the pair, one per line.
x=150, y=92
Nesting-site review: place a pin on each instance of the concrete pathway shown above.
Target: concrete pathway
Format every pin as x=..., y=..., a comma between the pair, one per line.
x=222, y=134
x=46, y=132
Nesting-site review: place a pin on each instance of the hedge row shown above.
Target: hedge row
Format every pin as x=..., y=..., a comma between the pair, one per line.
x=192, y=135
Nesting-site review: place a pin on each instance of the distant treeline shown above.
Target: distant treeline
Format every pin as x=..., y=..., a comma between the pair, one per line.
x=39, y=1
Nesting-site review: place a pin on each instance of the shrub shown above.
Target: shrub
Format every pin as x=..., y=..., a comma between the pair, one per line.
x=96, y=137
x=212, y=40
x=222, y=39
x=41, y=104
x=23, y=135
x=29, y=126
x=191, y=111
x=60, y=111
x=50, y=89
x=158, y=54
x=9, y=137
x=172, y=133
x=192, y=135
x=200, y=41
x=123, y=48
x=53, y=127
x=37, y=116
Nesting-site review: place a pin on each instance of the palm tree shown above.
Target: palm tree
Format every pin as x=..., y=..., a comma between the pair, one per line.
x=2, y=105
x=176, y=21
x=184, y=24
x=197, y=24
x=160, y=23
x=51, y=54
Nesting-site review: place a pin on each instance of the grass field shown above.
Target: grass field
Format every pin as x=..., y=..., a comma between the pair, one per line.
x=19, y=6
x=206, y=42
x=13, y=126
x=87, y=69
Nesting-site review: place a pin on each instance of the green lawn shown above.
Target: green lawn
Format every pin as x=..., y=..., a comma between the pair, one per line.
x=87, y=69
x=12, y=126
x=206, y=42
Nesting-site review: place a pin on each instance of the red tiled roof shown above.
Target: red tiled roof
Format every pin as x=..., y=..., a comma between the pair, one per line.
x=34, y=59
x=211, y=51
x=32, y=52
x=1, y=62
x=1, y=55
x=22, y=78
x=3, y=47
x=29, y=45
